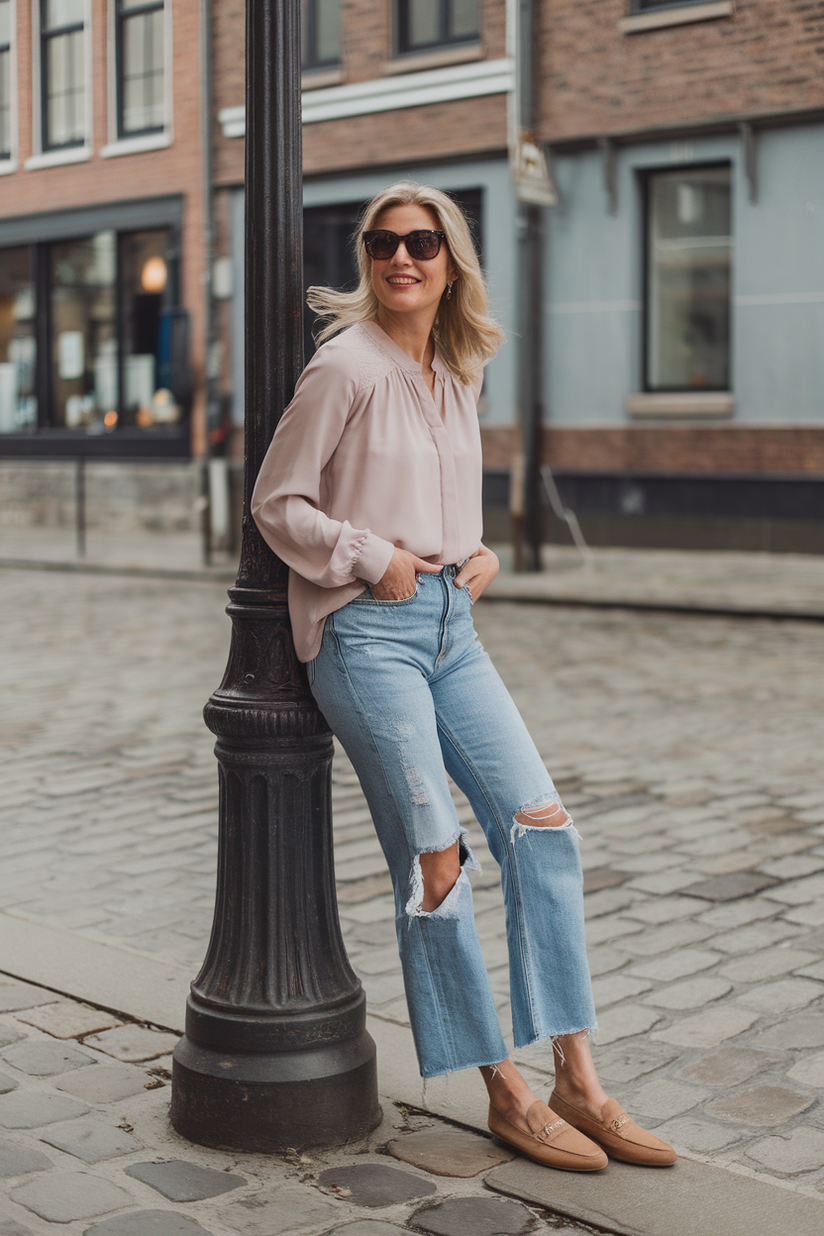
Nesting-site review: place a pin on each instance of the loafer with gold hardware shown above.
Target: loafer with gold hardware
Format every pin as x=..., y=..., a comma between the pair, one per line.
x=552, y=1141
x=617, y=1134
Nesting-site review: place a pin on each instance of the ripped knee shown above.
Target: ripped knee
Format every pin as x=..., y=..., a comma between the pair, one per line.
x=437, y=876
x=548, y=814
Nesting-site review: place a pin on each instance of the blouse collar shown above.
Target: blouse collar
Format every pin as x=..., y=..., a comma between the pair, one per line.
x=401, y=358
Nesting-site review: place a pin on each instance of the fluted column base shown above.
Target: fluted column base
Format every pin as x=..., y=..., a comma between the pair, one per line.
x=321, y=1096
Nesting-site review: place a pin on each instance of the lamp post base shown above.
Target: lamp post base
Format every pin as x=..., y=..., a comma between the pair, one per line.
x=322, y=1096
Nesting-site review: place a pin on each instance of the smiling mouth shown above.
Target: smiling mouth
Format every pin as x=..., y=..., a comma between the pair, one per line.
x=402, y=281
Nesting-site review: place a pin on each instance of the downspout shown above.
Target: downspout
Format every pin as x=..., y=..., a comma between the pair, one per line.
x=210, y=350
x=526, y=508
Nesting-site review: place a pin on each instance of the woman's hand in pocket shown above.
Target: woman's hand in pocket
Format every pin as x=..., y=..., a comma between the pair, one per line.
x=478, y=573
x=399, y=580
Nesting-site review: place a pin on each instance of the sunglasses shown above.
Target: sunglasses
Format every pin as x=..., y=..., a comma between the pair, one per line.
x=421, y=245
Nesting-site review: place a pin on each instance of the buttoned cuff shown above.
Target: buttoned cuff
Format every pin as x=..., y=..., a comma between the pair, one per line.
x=373, y=559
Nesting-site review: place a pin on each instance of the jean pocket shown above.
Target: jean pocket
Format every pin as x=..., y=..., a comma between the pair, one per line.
x=366, y=598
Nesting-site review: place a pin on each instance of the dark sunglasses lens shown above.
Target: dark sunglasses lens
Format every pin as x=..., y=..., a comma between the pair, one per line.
x=381, y=245
x=423, y=245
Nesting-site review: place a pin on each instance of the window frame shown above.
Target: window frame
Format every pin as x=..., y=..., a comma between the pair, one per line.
x=41, y=93
x=314, y=65
x=402, y=23
x=8, y=159
x=646, y=176
x=117, y=19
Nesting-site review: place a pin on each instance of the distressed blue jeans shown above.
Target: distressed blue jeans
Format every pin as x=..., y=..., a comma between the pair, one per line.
x=410, y=692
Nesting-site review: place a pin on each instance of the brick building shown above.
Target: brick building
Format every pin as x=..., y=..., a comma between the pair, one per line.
x=682, y=266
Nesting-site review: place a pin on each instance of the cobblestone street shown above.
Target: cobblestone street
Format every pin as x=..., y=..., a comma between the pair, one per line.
x=688, y=750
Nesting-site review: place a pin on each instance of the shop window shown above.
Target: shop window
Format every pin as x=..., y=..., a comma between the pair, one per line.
x=689, y=253
x=63, y=73
x=111, y=335
x=423, y=25
x=320, y=33
x=141, y=67
x=18, y=403
x=5, y=79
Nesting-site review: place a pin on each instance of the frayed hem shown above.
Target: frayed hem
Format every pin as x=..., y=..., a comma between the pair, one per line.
x=589, y=1032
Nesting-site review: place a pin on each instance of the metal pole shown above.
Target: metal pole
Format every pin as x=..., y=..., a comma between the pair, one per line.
x=80, y=505
x=276, y=1052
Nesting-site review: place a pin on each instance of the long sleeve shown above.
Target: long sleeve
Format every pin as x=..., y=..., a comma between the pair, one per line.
x=287, y=499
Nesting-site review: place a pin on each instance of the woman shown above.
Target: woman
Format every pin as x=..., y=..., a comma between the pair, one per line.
x=371, y=492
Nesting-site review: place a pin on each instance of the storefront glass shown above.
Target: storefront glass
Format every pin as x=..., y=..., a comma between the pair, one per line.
x=109, y=327
x=18, y=349
x=689, y=254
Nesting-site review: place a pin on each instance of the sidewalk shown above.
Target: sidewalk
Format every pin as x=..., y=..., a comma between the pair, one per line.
x=688, y=752
x=770, y=585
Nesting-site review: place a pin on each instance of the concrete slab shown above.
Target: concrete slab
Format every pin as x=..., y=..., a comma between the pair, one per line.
x=474, y=1216
x=110, y=975
x=445, y=1151
x=133, y=1044
x=146, y=1223
x=61, y=1197
x=684, y=1200
x=68, y=1020
x=374, y=1185
x=105, y=1083
x=180, y=1181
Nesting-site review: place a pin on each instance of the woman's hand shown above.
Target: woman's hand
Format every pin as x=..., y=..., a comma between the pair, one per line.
x=399, y=580
x=478, y=573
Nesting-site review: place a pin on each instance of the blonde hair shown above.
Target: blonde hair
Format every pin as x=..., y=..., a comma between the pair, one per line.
x=464, y=331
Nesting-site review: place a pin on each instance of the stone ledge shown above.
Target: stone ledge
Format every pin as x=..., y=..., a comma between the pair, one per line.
x=637, y=23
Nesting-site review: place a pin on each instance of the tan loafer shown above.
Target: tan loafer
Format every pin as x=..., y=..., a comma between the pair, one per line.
x=552, y=1141
x=620, y=1136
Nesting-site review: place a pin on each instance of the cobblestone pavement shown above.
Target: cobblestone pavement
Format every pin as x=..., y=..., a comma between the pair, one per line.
x=686, y=748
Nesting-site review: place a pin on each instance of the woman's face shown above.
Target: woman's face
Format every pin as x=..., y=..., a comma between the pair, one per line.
x=401, y=284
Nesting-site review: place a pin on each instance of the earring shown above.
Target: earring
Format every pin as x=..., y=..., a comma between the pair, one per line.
x=449, y=291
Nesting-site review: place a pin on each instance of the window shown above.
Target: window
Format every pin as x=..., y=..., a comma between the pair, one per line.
x=689, y=250
x=141, y=67
x=108, y=324
x=320, y=33
x=62, y=73
x=426, y=24
x=18, y=405
x=5, y=79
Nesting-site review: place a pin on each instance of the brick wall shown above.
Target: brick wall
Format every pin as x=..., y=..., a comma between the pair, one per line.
x=467, y=126
x=670, y=449
x=768, y=56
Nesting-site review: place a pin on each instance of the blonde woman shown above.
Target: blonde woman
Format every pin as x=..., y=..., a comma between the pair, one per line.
x=371, y=492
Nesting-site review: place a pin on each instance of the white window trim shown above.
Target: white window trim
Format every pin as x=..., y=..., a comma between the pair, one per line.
x=698, y=405
x=72, y=154
x=148, y=141
x=459, y=81
x=657, y=19
x=7, y=166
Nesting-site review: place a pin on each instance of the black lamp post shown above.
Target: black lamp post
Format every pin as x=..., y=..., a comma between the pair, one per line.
x=276, y=1052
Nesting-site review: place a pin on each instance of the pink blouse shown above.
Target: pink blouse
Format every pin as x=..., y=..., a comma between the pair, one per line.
x=364, y=460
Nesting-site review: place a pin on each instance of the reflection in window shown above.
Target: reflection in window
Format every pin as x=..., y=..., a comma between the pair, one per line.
x=62, y=57
x=424, y=24
x=18, y=405
x=689, y=251
x=84, y=331
x=642, y=6
x=5, y=79
x=320, y=35
x=141, y=66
